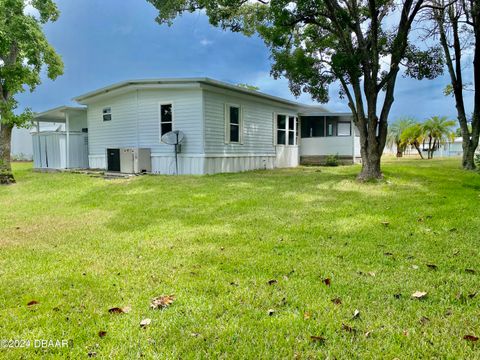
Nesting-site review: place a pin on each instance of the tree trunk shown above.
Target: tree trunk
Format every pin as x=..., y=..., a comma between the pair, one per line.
x=468, y=159
x=371, y=159
x=6, y=175
x=417, y=146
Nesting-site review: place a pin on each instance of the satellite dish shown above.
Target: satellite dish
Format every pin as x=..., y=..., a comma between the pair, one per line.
x=175, y=138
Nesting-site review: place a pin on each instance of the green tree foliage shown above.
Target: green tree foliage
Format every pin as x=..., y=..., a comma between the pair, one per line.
x=437, y=131
x=314, y=43
x=413, y=135
x=395, y=131
x=24, y=53
x=249, y=87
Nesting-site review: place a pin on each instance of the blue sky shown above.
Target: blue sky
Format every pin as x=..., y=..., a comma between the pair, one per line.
x=106, y=41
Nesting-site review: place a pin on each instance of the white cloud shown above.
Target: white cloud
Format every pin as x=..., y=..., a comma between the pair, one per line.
x=206, y=42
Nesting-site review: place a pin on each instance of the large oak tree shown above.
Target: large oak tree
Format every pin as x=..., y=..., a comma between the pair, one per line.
x=458, y=27
x=24, y=50
x=361, y=44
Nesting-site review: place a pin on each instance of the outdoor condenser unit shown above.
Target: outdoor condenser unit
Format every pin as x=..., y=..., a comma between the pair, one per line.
x=135, y=161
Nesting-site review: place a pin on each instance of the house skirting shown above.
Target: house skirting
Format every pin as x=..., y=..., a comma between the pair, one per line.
x=199, y=164
x=321, y=159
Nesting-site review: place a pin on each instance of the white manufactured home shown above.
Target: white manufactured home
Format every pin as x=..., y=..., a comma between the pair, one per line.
x=226, y=128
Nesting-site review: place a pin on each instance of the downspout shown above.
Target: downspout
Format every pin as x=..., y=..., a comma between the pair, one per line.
x=67, y=129
x=137, y=120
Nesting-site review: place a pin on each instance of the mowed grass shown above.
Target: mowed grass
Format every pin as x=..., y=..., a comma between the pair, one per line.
x=80, y=245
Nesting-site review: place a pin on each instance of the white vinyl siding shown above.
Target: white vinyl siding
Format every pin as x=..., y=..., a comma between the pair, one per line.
x=135, y=121
x=257, y=127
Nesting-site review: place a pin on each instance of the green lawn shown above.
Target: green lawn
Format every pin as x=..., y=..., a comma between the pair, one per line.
x=80, y=245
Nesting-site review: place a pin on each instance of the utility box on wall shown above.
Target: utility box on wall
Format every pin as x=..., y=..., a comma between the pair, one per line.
x=135, y=161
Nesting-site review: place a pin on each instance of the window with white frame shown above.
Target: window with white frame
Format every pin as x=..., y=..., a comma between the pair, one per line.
x=286, y=129
x=344, y=128
x=166, y=119
x=234, y=123
x=107, y=114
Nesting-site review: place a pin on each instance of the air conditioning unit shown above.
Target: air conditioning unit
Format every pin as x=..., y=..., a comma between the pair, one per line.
x=135, y=161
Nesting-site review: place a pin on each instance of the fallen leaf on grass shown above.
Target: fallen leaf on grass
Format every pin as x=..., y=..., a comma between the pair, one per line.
x=102, y=333
x=32, y=303
x=306, y=315
x=356, y=314
x=162, y=302
x=470, y=338
x=419, y=295
x=415, y=267
x=195, y=334
x=327, y=281
x=368, y=333
x=271, y=312
x=92, y=354
x=348, y=328
x=470, y=271
x=337, y=301
x=319, y=339
x=385, y=223
x=145, y=322
x=119, y=310
x=372, y=274
x=448, y=312
x=432, y=266
x=424, y=320
x=272, y=282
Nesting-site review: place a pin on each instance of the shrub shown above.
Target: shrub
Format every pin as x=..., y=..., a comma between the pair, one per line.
x=332, y=160
x=477, y=160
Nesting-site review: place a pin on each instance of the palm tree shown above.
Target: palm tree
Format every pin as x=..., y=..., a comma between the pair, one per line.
x=437, y=131
x=414, y=136
x=395, y=131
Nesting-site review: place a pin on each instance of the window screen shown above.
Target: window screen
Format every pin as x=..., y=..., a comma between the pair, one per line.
x=234, y=124
x=281, y=129
x=344, y=129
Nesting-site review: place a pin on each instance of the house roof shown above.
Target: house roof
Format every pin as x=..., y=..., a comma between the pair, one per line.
x=179, y=82
x=58, y=114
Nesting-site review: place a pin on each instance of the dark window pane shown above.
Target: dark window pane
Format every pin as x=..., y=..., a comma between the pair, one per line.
x=107, y=117
x=281, y=137
x=234, y=133
x=291, y=138
x=166, y=113
x=291, y=123
x=166, y=127
x=313, y=126
x=281, y=121
x=234, y=115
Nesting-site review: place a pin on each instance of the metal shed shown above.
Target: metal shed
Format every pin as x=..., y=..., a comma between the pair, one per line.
x=67, y=146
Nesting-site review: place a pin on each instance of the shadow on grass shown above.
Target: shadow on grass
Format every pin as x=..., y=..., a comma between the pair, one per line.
x=232, y=203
